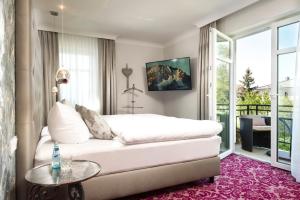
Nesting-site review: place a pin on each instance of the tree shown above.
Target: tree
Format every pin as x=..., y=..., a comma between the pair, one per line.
x=248, y=81
x=246, y=84
x=255, y=98
x=247, y=93
x=223, y=84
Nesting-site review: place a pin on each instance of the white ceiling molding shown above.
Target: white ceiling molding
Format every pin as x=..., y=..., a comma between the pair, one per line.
x=138, y=43
x=218, y=14
x=182, y=37
x=79, y=33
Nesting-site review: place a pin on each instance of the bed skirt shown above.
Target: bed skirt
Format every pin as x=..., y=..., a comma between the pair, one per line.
x=143, y=180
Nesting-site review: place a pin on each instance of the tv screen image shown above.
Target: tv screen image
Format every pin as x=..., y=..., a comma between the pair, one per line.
x=174, y=74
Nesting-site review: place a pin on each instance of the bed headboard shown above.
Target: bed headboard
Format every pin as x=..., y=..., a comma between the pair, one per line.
x=29, y=94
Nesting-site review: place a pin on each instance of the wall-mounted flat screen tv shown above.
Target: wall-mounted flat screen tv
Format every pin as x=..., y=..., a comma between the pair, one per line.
x=174, y=74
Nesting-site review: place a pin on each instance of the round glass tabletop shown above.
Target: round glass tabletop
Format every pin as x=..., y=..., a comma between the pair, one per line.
x=80, y=170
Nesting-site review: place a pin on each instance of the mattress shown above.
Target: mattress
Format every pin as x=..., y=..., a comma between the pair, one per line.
x=114, y=157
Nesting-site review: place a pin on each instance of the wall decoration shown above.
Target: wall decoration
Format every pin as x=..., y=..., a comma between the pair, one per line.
x=174, y=74
x=127, y=72
x=132, y=91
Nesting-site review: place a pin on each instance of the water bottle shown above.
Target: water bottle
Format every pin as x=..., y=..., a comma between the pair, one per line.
x=56, y=157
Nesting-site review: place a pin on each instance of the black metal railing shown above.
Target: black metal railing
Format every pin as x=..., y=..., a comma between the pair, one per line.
x=285, y=120
x=285, y=127
x=251, y=109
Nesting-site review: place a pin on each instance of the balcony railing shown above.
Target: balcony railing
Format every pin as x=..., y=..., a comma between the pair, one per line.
x=251, y=109
x=285, y=120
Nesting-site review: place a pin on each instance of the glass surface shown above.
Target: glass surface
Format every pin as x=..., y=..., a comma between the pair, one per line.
x=288, y=36
x=80, y=171
x=66, y=164
x=286, y=74
x=223, y=101
x=223, y=48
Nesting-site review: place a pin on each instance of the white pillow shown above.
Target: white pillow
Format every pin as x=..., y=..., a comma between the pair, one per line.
x=66, y=126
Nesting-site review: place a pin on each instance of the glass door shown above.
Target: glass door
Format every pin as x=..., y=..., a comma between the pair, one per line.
x=221, y=89
x=284, y=47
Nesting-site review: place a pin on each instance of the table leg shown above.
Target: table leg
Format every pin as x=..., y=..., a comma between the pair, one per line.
x=75, y=191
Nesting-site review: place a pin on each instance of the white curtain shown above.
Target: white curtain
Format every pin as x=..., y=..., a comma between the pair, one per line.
x=80, y=56
x=295, y=163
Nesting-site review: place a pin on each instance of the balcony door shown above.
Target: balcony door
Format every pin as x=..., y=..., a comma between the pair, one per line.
x=221, y=87
x=284, y=47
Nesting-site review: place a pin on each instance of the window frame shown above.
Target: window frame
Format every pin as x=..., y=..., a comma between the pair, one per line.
x=274, y=90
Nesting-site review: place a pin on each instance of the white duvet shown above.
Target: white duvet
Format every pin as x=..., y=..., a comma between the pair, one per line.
x=146, y=128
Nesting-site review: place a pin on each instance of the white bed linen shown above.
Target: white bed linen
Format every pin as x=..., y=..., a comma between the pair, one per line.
x=147, y=128
x=114, y=156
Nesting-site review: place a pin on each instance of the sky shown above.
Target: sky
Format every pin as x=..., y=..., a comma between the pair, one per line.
x=254, y=52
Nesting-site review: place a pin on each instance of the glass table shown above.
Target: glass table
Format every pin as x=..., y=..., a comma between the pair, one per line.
x=45, y=183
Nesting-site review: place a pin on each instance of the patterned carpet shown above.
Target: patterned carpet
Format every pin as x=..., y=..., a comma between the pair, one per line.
x=241, y=178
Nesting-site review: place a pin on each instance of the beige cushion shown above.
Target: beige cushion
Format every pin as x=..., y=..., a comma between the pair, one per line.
x=258, y=121
x=95, y=123
x=66, y=126
x=262, y=128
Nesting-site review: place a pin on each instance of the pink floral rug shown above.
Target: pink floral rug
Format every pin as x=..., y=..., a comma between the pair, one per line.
x=241, y=178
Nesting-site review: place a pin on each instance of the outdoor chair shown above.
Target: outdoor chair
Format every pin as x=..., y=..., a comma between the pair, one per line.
x=255, y=131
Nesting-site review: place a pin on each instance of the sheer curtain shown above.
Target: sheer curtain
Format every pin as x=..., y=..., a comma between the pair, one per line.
x=295, y=163
x=80, y=56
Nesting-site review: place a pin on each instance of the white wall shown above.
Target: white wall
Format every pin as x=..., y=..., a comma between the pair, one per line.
x=136, y=55
x=258, y=14
x=171, y=103
x=183, y=103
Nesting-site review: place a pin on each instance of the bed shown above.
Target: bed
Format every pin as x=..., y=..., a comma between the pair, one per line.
x=141, y=166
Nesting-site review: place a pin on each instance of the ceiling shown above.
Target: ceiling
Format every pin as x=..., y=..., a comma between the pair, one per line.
x=156, y=21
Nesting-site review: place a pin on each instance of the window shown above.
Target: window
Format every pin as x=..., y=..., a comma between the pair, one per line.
x=80, y=56
x=288, y=36
x=285, y=55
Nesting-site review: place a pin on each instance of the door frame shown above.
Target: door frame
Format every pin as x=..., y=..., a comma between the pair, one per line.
x=274, y=89
x=248, y=33
x=212, y=85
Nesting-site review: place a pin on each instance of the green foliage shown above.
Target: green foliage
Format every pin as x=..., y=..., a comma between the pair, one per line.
x=248, y=81
x=255, y=98
x=223, y=49
x=223, y=84
x=285, y=100
x=247, y=93
x=284, y=139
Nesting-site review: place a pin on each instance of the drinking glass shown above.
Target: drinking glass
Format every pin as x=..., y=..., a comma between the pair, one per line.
x=66, y=164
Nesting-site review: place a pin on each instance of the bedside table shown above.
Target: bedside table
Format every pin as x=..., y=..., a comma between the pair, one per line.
x=45, y=183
